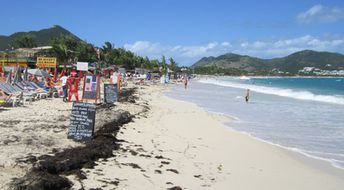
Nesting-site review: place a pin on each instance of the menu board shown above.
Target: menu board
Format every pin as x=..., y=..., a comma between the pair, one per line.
x=82, y=121
x=110, y=93
x=91, y=87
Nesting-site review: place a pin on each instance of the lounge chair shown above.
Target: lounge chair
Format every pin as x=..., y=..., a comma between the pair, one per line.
x=42, y=93
x=51, y=92
x=9, y=100
x=15, y=92
x=27, y=95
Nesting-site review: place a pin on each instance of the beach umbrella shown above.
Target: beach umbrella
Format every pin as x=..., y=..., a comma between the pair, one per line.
x=19, y=79
x=26, y=74
x=17, y=76
x=38, y=72
x=61, y=74
x=9, y=77
x=55, y=74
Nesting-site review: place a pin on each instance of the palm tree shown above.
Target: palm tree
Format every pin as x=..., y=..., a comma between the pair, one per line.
x=86, y=52
x=64, y=49
x=163, y=64
x=173, y=65
x=107, y=47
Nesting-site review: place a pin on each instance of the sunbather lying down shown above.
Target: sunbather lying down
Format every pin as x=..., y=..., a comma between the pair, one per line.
x=3, y=97
x=9, y=99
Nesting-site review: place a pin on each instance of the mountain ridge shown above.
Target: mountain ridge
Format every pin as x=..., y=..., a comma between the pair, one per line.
x=42, y=37
x=291, y=63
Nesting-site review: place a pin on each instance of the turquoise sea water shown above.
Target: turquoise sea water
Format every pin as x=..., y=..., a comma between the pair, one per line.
x=302, y=114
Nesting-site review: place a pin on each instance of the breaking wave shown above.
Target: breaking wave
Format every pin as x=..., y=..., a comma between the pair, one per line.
x=301, y=95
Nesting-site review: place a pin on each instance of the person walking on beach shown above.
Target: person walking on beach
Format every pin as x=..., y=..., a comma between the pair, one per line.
x=247, y=97
x=64, y=85
x=186, y=82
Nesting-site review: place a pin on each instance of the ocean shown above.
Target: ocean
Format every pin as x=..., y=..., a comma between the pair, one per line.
x=302, y=114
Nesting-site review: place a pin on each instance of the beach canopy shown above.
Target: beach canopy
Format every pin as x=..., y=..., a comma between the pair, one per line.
x=38, y=72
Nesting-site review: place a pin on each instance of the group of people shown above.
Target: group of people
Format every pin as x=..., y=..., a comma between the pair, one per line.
x=70, y=85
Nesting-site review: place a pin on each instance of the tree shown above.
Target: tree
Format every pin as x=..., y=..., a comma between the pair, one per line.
x=155, y=64
x=86, y=52
x=64, y=48
x=173, y=65
x=163, y=64
x=25, y=41
x=148, y=64
x=108, y=47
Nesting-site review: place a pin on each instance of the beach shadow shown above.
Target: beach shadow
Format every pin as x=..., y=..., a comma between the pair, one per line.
x=3, y=109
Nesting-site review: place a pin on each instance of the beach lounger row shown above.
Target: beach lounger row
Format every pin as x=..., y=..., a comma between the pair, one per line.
x=23, y=91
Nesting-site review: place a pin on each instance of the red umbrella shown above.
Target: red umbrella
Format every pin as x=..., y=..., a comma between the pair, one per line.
x=62, y=73
x=80, y=74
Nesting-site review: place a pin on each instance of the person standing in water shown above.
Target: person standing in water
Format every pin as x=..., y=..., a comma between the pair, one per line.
x=247, y=97
x=186, y=82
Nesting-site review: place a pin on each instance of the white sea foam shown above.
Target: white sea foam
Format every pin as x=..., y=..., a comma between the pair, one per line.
x=244, y=78
x=301, y=95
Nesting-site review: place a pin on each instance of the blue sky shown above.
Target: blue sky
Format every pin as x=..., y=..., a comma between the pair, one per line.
x=188, y=30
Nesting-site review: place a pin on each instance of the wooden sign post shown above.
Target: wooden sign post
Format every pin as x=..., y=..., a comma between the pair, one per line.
x=46, y=62
x=91, y=89
x=82, y=120
x=110, y=93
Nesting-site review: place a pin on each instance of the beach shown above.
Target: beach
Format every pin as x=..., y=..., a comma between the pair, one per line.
x=168, y=144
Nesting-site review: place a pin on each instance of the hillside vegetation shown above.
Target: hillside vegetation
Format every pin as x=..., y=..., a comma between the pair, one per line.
x=242, y=64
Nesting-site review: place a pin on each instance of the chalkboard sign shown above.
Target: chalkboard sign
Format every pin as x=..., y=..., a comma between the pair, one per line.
x=82, y=121
x=110, y=93
x=91, y=87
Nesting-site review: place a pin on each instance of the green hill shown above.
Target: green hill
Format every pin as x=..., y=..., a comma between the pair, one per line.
x=291, y=63
x=41, y=37
x=308, y=58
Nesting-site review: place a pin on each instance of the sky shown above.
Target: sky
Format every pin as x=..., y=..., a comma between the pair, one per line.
x=188, y=30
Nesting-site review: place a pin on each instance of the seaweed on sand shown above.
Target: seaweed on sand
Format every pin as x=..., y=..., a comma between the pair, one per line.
x=46, y=174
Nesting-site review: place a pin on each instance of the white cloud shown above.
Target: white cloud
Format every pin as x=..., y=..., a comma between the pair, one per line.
x=319, y=13
x=185, y=55
x=226, y=44
x=283, y=47
x=189, y=54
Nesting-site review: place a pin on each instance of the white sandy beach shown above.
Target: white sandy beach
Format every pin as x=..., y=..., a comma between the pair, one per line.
x=192, y=149
x=174, y=145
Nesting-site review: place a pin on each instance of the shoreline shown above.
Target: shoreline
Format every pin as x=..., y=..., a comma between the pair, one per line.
x=180, y=145
x=326, y=163
x=322, y=164
x=314, y=161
